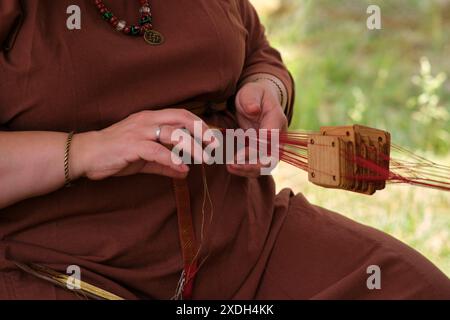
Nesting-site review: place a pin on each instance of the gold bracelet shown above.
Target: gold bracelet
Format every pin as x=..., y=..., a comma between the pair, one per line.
x=68, y=181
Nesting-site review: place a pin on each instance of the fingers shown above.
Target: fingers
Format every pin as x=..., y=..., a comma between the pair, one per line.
x=261, y=107
x=249, y=99
x=155, y=132
x=157, y=153
x=273, y=116
x=158, y=169
x=242, y=165
x=251, y=170
x=274, y=119
x=247, y=171
x=183, y=141
x=173, y=117
x=170, y=122
x=176, y=136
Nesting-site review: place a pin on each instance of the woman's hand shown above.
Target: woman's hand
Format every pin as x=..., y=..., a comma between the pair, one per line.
x=130, y=147
x=258, y=106
x=32, y=162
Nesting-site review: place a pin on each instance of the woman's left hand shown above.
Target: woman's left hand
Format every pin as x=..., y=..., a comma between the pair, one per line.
x=258, y=106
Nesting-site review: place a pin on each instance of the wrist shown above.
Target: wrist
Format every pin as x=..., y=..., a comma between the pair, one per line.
x=271, y=86
x=276, y=87
x=80, y=154
x=271, y=83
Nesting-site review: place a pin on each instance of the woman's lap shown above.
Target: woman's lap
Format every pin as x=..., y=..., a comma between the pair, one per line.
x=311, y=253
x=322, y=255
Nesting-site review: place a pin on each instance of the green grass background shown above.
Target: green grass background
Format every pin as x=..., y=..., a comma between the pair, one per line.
x=394, y=79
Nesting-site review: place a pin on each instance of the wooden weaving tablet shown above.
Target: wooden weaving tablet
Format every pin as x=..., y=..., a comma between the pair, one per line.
x=353, y=158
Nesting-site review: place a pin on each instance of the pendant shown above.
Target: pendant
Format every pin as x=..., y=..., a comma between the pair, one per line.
x=153, y=38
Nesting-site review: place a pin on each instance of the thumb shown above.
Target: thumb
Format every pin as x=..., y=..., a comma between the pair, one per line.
x=249, y=100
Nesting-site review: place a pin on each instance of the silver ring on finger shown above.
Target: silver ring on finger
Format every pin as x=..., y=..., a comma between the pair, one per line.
x=158, y=134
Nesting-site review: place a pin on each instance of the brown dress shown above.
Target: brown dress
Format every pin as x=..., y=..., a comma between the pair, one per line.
x=123, y=232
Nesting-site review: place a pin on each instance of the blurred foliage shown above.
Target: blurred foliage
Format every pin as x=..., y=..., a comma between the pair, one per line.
x=396, y=79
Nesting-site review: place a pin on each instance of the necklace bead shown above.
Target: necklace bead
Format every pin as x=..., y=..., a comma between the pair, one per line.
x=144, y=23
x=107, y=15
x=145, y=20
x=145, y=9
x=135, y=30
x=121, y=25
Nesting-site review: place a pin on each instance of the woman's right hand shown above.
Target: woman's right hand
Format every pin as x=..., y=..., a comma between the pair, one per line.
x=130, y=146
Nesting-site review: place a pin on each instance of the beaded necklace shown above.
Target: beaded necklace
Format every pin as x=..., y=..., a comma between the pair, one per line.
x=143, y=28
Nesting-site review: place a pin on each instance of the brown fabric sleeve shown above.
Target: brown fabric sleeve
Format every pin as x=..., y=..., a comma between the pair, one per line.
x=261, y=57
x=10, y=19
